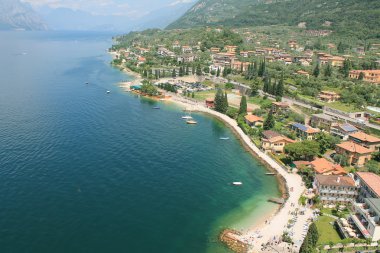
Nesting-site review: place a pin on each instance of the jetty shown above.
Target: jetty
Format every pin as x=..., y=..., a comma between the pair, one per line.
x=232, y=239
x=277, y=200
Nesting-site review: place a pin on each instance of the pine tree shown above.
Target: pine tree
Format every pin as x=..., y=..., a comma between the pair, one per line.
x=269, y=121
x=218, y=72
x=316, y=70
x=243, y=105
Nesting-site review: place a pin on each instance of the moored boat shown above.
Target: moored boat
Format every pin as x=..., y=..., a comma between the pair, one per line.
x=237, y=183
x=224, y=138
x=187, y=117
x=191, y=122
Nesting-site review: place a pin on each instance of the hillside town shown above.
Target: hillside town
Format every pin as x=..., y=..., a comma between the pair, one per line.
x=332, y=143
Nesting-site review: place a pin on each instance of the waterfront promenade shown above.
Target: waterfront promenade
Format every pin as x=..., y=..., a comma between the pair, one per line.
x=272, y=229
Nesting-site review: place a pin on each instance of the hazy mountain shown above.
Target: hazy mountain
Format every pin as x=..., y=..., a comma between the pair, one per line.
x=359, y=16
x=68, y=19
x=17, y=15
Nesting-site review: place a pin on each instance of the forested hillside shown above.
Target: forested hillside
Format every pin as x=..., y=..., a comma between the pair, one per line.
x=353, y=17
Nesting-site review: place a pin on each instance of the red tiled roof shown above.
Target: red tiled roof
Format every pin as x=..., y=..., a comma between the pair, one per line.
x=335, y=180
x=253, y=118
x=321, y=166
x=365, y=137
x=354, y=148
x=372, y=180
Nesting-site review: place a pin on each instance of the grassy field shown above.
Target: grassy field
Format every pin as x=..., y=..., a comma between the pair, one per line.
x=343, y=107
x=259, y=101
x=202, y=95
x=327, y=232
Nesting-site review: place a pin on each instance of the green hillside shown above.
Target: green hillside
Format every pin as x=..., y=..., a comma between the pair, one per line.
x=359, y=18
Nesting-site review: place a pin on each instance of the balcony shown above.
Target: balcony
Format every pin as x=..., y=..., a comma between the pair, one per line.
x=360, y=226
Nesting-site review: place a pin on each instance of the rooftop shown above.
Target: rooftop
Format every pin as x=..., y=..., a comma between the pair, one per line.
x=372, y=180
x=306, y=129
x=375, y=203
x=347, y=127
x=323, y=116
x=253, y=118
x=321, y=166
x=364, y=137
x=354, y=148
x=268, y=134
x=334, y=180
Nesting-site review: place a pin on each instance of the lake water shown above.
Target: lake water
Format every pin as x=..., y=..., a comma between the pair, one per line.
x=86, y=171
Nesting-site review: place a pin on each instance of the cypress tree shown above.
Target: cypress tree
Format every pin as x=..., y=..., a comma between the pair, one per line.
x=266, y=84
x=328, y=70
x=180, y=71
x=193, y=69
x=199, y=70
x=280, y=86
x=187, y=70
x=243, y=105
x=225, y=102
x=174, y=74
x=269, y=121
x=219, y=101
x=218, y=72
x=316, y=70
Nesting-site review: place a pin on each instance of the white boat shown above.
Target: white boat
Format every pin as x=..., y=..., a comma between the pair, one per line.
x=224, y=138
x=237, y=183
x=191, y=122
x=187, y=117
x=108, y=92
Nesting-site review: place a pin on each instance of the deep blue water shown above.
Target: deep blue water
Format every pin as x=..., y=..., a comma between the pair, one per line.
x=83, y=171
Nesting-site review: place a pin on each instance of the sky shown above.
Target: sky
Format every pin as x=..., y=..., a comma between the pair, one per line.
x=130, y=8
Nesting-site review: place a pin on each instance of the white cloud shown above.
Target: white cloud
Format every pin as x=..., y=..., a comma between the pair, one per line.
x=180, y=2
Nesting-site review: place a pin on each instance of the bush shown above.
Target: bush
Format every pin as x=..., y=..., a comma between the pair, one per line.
x=232, y=112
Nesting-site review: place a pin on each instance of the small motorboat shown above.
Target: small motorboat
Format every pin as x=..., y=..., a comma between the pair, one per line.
x=191, y=122
x=86, y=82
x=108, y=92
x=156, y=107
x=186, y=117
x=237, y=183
x=224, y=138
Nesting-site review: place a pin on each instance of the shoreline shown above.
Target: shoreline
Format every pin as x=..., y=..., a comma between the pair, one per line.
x=290, y=185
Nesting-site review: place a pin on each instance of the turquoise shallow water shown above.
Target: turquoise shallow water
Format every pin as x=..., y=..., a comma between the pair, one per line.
x=83, y=171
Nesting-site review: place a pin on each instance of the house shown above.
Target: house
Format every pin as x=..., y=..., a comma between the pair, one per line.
x=322, y=121
x=336, y=61
x=304, y=132
x=328, y=96
x=253, y=120
x=186, y=58
x=210, y=103
x=318, y=33
x=244, y=54
x=321, y=166
x=240, y=66
x=365, y=140
x=366, y=216
x=356, y=154
x=223, y=59
x=292, y=44
x=165, y=52
x=274, y=142
x=343, y=130
x=187, y=50
x=230, y=49
x=372, y=76
x=141, y=60
x=303, y=73
x=335, y=189
x=215, y=50
x=325, y=167
x=280, y=107
x=143, y=50
x=369, y=185
x=176, y=45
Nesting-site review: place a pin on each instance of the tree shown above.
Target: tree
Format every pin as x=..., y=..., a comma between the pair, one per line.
x=341, y=159
x=280, y=87
x=326, y=141
x=219, y=101
x=149, y=89
x=193, y=69
x=316, y=70
x=225, y=102
x=243, y=105
x=180, y=71
x=341, y=47
x=187, y=70
x=346, y=67
x=328, y=70
x=199, y=70
x=193, y=95
x=218, y=72
x=361, y=76
x=266, y=84
x=262, y=68
x=269, y=121
x=174, y=73
x=304, y=150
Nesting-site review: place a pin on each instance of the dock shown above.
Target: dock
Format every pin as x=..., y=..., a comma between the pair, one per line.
x=277, y=200
x=270, y=174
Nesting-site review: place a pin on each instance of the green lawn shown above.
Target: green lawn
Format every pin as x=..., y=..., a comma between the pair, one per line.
x=202, y=95
x=327, y=232
x=259, y=101
x=343, y=107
